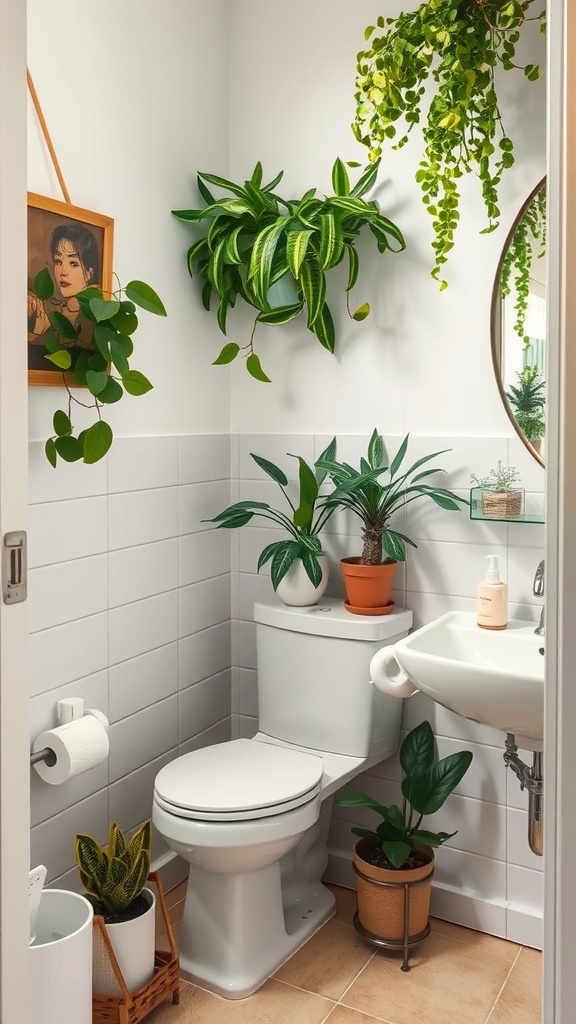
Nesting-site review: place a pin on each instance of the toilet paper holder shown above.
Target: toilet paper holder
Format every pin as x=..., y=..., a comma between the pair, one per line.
x=67, y=710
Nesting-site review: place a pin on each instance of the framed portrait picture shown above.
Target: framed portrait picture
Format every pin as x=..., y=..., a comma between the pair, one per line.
x=75, y=247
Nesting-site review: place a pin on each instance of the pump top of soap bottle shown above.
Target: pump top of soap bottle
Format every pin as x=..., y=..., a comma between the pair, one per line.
x=493, y=570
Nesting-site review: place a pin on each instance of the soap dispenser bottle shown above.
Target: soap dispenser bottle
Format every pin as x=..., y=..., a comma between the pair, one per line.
x=492, y=600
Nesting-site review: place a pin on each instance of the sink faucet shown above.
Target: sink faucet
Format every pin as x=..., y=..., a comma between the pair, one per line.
x=538, y=591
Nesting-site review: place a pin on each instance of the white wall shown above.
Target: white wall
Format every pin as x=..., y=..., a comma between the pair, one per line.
x=135, y=96
x=421, y=361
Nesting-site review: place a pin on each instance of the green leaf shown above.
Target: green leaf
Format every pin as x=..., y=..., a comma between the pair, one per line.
x=362, y=312
x=297, y=243
x=61, y=423
x=417, y=750
x=331, y=240
x=281, y=315
x=227, y=354
x=96, y=381
x=50, y=452
x=366, y=180
x=255, y=370
x=284, y=557
x=125, y=321
x=313, y=284
x=68, y=448
x=118, y=356
x=97, y=441
x=260, y=267
x=340, y=179
x=353, y=265
x=145, y=297
x=394, y=546
x=397, y=852
x=271, y=470
x=308, y=494
x=323, y=328
x=376, y=450
x=427, y=792
x=268, y=553
x=312, y=568
x=135, y=383
x=399, y=457
x=214, y=179
x=104, y=309
x=62, y=359
x=81, y=368
x=238, y=506
x=43, y=285
x=113, y=392
x=62, y=325
x=329, y=454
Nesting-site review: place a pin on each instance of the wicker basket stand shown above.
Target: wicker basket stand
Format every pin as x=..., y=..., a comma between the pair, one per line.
x=132, y=1007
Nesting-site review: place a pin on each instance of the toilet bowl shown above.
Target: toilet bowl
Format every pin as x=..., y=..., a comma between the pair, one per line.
x=251, y=817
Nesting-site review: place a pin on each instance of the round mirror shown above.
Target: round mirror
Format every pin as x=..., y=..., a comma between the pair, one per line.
x=519, y=322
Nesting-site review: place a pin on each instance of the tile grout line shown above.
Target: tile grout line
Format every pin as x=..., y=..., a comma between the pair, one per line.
x=504, y=983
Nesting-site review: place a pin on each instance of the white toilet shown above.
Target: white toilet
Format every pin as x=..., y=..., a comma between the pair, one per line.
x=252, y=816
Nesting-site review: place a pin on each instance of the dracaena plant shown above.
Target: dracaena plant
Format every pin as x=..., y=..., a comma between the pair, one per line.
x=93, y=352
x=303, y=522
x=274, y=253
x=426, y=785
x=437, y=66
x=375, y=500
x=114, y=877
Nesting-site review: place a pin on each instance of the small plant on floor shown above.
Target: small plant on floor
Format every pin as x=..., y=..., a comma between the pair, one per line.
x=500, y=479
x=303, y=523
x=115, y=877
x=274, y=253
x=426, y=785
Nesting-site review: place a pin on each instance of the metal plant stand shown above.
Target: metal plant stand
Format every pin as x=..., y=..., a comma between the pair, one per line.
x=407, y=942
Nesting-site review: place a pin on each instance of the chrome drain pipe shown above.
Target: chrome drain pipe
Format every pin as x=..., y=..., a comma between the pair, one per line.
x=531, y=779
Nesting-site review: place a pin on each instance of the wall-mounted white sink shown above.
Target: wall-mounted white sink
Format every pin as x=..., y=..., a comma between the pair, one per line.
x=492, y=677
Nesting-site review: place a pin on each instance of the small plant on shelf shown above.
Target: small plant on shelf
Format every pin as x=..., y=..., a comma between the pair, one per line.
x=274, y=253
x=499, y=498
x=528, y=399
x=93, y=352
x=500, y=479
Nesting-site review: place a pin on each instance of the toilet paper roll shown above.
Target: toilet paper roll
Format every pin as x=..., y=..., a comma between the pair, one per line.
x=387, y=676
x=78, y=746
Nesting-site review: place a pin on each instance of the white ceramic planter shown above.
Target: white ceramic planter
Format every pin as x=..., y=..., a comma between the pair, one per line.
x=61, y=960
x=133, y=943
x=297, y=589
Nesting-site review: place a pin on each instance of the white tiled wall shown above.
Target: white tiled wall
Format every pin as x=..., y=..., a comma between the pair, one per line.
x=486, y=877
x=129, y=597
x=146, y=612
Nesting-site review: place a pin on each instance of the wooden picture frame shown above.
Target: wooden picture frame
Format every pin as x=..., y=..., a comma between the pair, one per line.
x=69, y=259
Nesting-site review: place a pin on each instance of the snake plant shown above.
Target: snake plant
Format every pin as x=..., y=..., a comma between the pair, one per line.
x=116, y=876
x=274, y=253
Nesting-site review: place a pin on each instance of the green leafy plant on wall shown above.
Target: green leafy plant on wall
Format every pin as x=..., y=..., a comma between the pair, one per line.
x=527, y=243
x=458, y=45
x=274, y=253
x=102, y=366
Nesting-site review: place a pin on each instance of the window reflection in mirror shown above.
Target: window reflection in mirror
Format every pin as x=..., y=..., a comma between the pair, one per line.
x=519, y=322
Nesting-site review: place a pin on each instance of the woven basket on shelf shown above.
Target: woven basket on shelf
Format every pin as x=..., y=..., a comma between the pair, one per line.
x=132, y=1007
x=499, y=504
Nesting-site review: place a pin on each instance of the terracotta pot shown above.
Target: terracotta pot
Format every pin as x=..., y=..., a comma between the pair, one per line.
x=368, y=586
x=381, y=907
x=296, y=587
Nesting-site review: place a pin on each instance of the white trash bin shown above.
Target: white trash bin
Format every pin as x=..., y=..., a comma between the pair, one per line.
x=61, y=959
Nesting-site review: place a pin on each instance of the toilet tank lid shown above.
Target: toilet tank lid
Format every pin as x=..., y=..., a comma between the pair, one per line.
x=330, y=618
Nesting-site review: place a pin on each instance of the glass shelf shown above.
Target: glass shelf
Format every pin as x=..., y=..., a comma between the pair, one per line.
x=499, y=515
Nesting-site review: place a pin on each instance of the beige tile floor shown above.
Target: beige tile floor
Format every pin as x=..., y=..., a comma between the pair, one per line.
x=459, y=976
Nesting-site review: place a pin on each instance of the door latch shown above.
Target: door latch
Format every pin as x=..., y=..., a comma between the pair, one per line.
x=14, y=567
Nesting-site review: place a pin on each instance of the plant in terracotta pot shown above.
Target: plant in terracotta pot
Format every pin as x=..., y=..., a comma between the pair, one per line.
x=298, y=566
x=498, y=497
x=399, y=850
x=369, y=578
x=275, y=253
x=115, y=880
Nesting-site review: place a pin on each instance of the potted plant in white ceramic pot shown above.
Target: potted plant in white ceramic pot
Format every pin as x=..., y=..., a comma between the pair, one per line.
x=298, y=566
x=369, y=578
x=399, y=850
x=115, y=880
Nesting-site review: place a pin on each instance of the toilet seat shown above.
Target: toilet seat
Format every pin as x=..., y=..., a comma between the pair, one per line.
x=238, y=780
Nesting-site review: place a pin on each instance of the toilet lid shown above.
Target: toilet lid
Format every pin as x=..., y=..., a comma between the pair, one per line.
x=238, y=780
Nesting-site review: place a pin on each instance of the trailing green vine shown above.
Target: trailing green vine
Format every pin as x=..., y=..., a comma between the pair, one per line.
x=527, y=242
x=458, y=44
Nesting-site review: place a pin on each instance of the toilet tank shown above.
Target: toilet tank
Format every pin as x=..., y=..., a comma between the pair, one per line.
x=314, y=686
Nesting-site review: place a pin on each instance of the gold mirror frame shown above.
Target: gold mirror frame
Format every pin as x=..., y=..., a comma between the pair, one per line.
x=496, y=325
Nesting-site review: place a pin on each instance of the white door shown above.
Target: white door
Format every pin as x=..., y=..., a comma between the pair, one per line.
x=14, y=740
x=560, y=725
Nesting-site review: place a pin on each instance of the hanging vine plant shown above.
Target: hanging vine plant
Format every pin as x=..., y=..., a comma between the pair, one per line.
x=458, y=44
x=527, y=243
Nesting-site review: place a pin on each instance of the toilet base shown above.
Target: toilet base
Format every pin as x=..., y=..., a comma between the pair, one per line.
x=236, y=932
